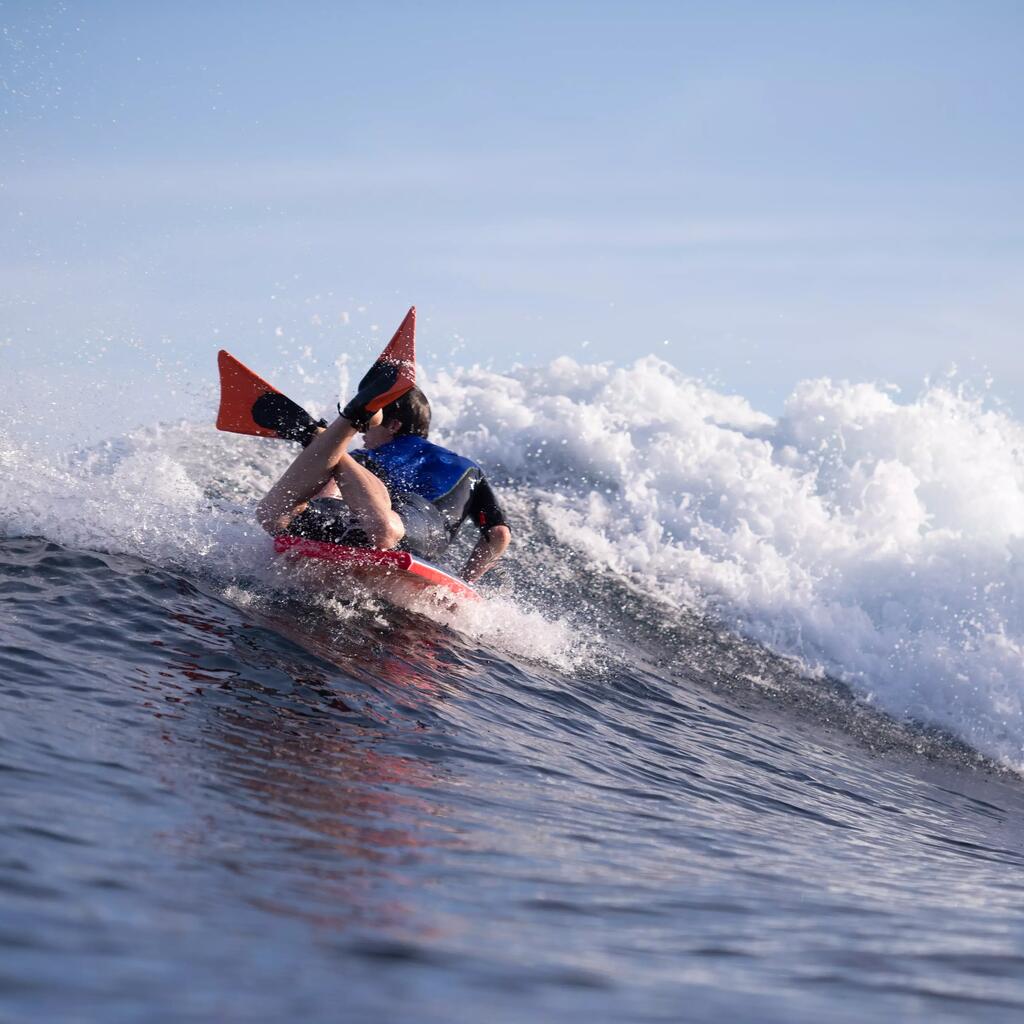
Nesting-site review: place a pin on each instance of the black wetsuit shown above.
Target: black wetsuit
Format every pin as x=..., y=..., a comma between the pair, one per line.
x=432, y=489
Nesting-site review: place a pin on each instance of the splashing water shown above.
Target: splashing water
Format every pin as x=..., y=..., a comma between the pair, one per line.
x=880, y=542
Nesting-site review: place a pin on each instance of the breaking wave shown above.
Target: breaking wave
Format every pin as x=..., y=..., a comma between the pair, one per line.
x=878, y=541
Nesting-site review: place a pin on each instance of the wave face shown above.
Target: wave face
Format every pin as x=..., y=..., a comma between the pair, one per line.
x=724, y=735
x=880, y=543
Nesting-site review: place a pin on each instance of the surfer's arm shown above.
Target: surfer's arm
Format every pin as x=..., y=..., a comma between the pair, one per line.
x=326, y=458
x=304, y=478
x=489, y=548
x=485, y=511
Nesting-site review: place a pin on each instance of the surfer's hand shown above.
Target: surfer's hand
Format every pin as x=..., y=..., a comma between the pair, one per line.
x=362, y=423
x=489, y=548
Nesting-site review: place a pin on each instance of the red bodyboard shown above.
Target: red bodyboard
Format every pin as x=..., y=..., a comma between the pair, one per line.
x=371, y=562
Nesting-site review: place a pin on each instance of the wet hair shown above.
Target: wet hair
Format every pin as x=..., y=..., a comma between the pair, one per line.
x=412, y=411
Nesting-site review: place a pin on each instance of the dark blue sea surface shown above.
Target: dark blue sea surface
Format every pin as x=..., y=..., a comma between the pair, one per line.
x=218, y=812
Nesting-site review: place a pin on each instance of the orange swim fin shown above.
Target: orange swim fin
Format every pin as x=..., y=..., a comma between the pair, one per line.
x=249, y=405
x=390, y=377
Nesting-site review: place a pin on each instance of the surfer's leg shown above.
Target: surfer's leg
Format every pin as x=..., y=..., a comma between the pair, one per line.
x=326, y=457
x=369, y=502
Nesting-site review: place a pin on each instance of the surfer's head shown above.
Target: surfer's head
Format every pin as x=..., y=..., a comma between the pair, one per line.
x=409, y=414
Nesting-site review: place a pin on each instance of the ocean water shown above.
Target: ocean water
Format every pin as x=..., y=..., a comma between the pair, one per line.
x=737, y=733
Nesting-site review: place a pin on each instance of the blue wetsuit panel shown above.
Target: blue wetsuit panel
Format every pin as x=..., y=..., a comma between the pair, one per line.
x=415, y=464
x=453, y=485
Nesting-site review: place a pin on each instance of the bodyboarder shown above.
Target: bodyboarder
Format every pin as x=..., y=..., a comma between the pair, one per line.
x=398, y=491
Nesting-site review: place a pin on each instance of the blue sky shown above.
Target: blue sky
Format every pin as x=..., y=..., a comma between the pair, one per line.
x=758, y=192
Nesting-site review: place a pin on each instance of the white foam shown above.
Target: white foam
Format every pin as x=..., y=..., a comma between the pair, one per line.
x=512, y=627
x=879, y=541
x=134, y=496
x=183, y=497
